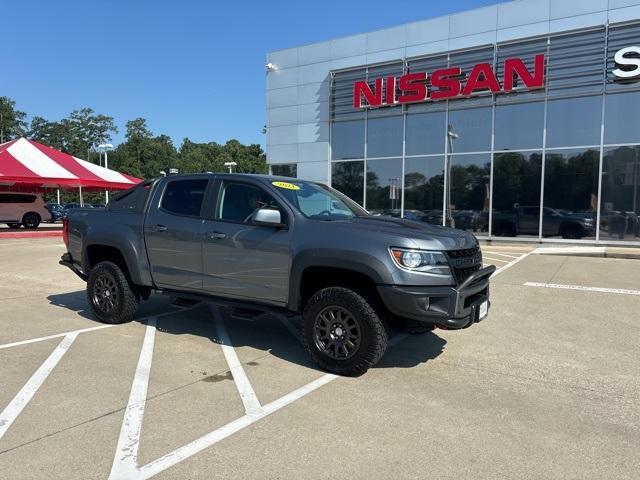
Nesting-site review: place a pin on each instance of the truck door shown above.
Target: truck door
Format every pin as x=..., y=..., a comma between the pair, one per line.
x=173, y=234
x=240, y=259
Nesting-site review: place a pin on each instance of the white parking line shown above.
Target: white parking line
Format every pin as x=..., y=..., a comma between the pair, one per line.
x=26, y=393
x=501, y=260
x=501, y=254
x=57, y=335
x=247, y=394
x=125, y=464
x=182, y=453
x=511, y=264
x=125, y=461
x=90, y=329
x=582, y=288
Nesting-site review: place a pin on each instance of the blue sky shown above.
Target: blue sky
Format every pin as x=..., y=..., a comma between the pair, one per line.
x=192, y=68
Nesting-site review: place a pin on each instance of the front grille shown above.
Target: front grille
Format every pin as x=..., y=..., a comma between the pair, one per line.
x=465, y=262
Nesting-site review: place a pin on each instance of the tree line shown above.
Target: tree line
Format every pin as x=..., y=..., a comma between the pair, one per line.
x=142, y=154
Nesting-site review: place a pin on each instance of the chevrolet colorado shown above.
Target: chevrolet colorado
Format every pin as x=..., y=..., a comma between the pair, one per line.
x=267, y=243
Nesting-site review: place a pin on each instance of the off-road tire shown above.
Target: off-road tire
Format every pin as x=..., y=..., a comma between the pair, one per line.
x=31, y=220
x=373, y=335
x=111, y=276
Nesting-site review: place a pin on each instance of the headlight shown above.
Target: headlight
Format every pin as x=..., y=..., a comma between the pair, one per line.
x=421, y=260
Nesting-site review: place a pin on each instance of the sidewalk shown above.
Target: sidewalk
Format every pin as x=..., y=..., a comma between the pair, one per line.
x=571, y=250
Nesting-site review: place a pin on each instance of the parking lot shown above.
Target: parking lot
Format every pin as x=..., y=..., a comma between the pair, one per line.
x=547, y=387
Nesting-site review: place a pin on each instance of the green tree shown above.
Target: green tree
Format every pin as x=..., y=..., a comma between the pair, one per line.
x=142, y=154
x=53, y=134
x=13, y=122
x=87, y=130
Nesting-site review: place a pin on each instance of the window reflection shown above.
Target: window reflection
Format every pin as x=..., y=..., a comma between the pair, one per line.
x=348, y=178
x=384, y=186
x=347, y=140
x=570, y=193
x=384, y=136
x=470, y=177
x=519, y=126
x=473, y=127
x=574, y=121
x=516, y=194
x=425, y=133
x=423, y=189
x=620, y=205
x=622, y=114
x=285, y=170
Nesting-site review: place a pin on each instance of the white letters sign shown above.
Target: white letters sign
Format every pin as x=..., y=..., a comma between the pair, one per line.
x=630, y=59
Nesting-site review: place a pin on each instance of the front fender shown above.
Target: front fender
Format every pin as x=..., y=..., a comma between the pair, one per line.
x=359, y=262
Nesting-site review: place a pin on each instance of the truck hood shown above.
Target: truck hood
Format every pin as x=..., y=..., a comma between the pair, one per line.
x=424, y=235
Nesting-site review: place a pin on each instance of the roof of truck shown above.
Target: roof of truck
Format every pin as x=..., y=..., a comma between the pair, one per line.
x=258, y=176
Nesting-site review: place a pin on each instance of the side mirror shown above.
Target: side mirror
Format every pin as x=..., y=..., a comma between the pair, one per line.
x=267, y=217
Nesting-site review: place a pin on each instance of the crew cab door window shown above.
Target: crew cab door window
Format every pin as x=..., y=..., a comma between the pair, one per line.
x=239, y=202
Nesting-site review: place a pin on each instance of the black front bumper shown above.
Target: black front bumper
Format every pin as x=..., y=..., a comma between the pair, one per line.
x=446, y=307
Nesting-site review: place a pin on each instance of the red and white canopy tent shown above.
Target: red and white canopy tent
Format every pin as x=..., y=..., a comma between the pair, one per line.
x=28, y=164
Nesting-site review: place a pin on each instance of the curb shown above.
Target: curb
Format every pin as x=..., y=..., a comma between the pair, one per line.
x=14, y=235
x=592, y=252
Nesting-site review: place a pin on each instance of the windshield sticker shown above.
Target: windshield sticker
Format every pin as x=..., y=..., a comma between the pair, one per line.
x=285, y=185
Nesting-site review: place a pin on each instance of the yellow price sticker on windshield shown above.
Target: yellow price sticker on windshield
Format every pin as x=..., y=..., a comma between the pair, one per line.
x=285, y=185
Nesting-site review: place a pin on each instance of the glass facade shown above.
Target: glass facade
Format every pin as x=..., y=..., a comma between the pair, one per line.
x=285, y=170
x=561, y=162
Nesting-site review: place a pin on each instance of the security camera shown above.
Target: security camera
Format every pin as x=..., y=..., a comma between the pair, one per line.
x=269, y=67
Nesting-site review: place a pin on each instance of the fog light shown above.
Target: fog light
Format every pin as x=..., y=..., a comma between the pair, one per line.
x=427, y=303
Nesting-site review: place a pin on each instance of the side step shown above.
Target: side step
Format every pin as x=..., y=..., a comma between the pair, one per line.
x=246, y=314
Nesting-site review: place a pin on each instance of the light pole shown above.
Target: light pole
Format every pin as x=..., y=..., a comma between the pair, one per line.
x=448, y=217
x=105, y=147
x=230, y=165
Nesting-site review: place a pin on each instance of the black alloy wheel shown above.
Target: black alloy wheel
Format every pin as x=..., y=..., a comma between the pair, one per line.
x=337, y=333
x=343, y=330
x=113, y=299
x=105, y=293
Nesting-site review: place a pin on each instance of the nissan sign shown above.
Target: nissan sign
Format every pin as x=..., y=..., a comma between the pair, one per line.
x=628, y=59
x=447, y=84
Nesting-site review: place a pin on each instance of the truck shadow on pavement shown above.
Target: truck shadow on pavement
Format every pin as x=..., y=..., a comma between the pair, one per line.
x=77, y=302
x=266, y=335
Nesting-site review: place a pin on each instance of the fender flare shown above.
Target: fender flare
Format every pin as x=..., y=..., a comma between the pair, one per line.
x=123, y=240
x=358, y=262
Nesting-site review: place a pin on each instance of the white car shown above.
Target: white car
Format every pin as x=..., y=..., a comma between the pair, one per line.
x=28, y=209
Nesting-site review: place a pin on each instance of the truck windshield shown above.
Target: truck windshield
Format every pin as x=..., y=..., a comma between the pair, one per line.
x=318, y=201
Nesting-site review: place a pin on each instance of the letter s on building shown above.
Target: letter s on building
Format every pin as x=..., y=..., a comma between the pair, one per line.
x=621, y=58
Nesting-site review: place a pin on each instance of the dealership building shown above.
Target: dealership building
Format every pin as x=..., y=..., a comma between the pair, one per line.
x=519, y=120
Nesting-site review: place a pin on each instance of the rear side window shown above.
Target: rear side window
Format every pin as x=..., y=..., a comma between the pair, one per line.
x=184, y=197
x=16, y=198
x=133, y=200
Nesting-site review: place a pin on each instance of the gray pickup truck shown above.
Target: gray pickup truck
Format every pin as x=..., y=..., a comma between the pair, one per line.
x=262, y=243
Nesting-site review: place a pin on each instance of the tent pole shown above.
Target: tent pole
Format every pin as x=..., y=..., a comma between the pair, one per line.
x=58, y=193
x=80, y=191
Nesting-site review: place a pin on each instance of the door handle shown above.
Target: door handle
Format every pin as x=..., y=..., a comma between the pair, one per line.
x=160, y=228
x=217, y=235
